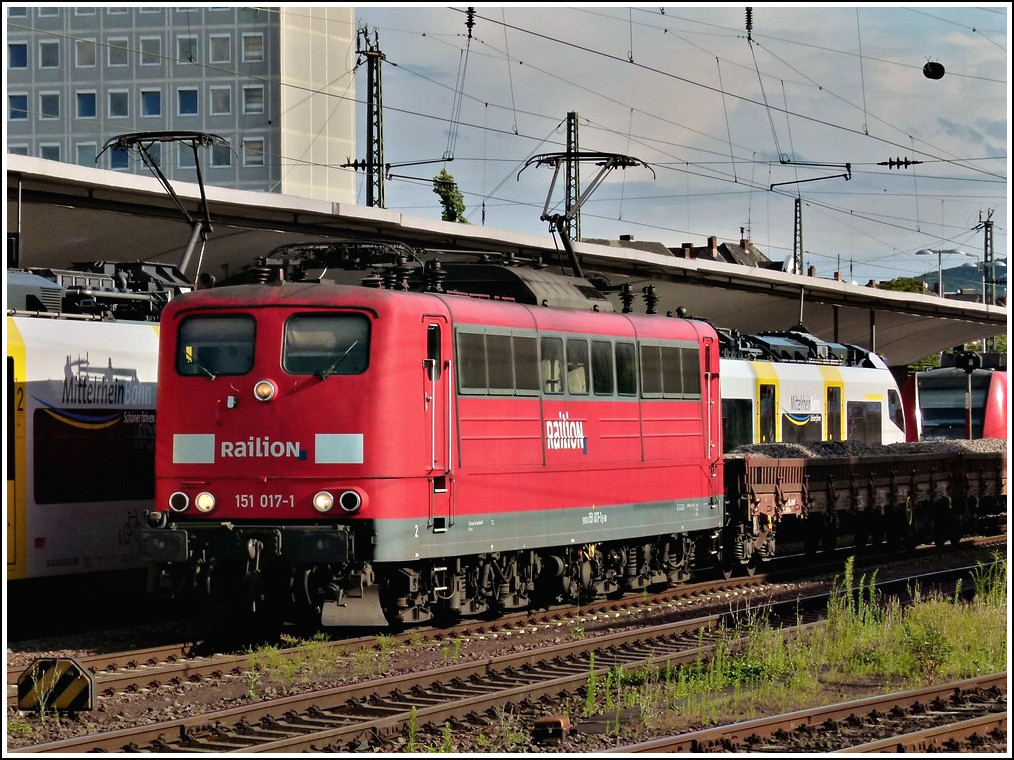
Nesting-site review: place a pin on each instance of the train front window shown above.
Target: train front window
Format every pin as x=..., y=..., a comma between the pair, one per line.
x=326, y=344
x=213, y=346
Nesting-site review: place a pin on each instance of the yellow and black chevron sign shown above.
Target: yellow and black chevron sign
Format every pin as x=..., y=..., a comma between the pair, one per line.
x=56, y=683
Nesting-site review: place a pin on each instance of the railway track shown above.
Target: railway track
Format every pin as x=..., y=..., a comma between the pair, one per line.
x=948, y=717
x=379, y=714
x=152, y=667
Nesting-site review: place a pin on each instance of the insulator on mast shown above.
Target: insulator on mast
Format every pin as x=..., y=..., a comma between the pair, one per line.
x=470, y=21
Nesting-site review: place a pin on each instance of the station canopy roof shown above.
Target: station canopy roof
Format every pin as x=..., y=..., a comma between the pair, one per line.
x=64, y=214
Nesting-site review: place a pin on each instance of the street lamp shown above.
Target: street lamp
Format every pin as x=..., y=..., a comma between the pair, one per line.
x=940, y=269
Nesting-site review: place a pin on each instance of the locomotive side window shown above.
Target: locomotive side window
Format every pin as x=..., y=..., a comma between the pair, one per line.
x=670, y=371
x=691, y=365
x=471, y=362
x=326, y=344
x=433, y=351
x=626, y=369
x=526, y=365
x=651, y=371
x=551, y=366
x=214, y=346
x=602, y=368
x=500, y=364
x=497, y=363
x=577, y=367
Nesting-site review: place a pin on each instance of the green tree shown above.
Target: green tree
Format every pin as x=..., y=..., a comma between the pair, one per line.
x=450, y=197
x=904, y=284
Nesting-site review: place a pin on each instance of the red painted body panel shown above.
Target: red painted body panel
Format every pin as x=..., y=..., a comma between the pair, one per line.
x=995, y=420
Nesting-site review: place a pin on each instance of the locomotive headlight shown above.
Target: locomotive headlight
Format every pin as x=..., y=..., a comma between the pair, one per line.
x=351, y=501
x=323, y=501
x=204, y=502
x=265, y=390
x=179, y=501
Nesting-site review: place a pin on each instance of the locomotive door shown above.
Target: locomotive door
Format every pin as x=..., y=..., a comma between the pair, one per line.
x=438, y=387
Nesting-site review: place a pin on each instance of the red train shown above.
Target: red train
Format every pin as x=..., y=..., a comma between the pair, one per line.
x=950, y=404
x=347, y=454
x=325, y=444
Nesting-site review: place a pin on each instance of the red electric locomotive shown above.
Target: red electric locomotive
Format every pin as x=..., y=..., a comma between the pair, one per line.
x=360, y=455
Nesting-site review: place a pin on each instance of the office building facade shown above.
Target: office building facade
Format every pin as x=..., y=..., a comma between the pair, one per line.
x=276, y=84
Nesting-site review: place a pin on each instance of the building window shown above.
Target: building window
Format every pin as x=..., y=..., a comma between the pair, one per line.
x=155, y=153
x=116, y=11
x=185, y=157
x=221, y=155
x=17, y=55
x=186, y=49
x=49, y=105
x=149, y=9
x=253, y=152
x=86, y=105
x=151, y=50
x=86, y=153
x=119, y=104
x=47, y=11
x=49, y=54
x=84, y=11
x=117, y=51
x=50, y=151
x=186, y=102
x=18, y=150
x=13, y=12
x=84, y=52
x=151, y=102
x=119, y=158
x=17, y=107
x=221, y=101
x=253, y=47
x=221, y=48
x=253, y=99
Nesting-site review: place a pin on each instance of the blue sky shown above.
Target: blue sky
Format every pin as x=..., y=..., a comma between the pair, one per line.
x=733, y=127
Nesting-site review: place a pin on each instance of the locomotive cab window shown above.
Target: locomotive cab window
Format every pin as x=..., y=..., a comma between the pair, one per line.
x=213, y=346
x=326, y=344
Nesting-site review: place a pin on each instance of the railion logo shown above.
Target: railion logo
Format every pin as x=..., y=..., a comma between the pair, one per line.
x=565, y=433
x=262, y=447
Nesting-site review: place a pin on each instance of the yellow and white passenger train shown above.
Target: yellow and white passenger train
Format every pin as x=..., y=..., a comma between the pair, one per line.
x=792, y=387
x=81, y=383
